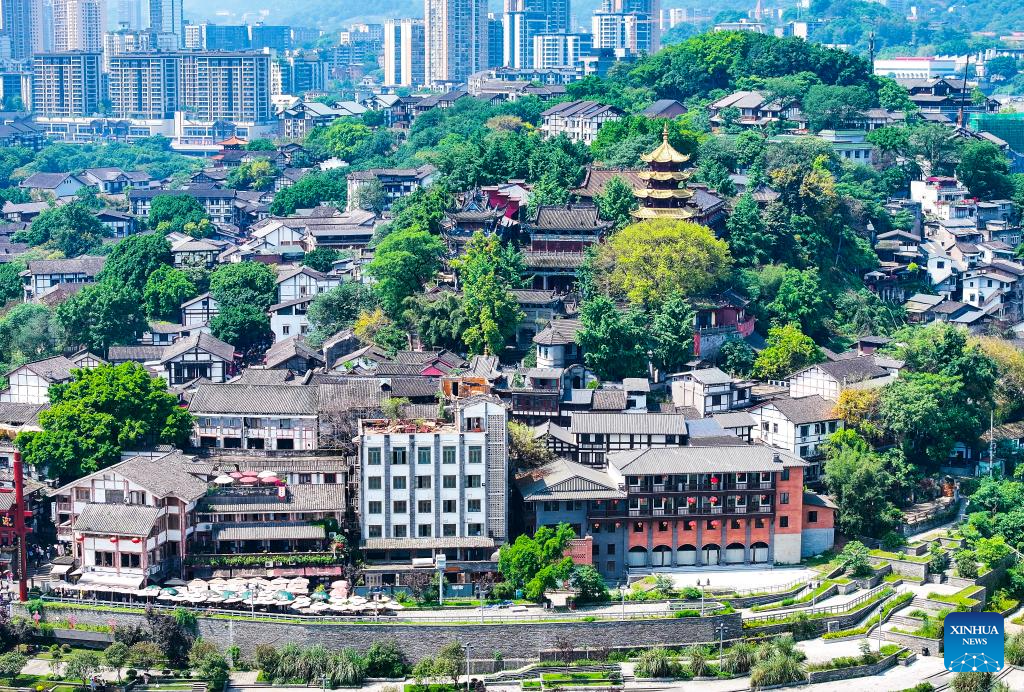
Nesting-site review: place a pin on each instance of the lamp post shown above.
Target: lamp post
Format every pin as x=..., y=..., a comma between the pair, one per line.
x=720, y=628
x=701, y=597
x=467, y=665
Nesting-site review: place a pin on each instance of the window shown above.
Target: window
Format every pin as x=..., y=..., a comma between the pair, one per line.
x=595, y=550
x=398, y=482
x=81, y=493
x=812, y=517
x=759, y=523
x=476, y=455
x=448, y=481
x=473, y=481
x=689, y=525
x=173, y=522
x=475, y=529
x=473, y=506
x=764, y=426
x=783, y=522
x=552, y=506
x=735, y=523
x=423, y=507
x=638, y=527
x=804, y=450
x=448, y=455
x=399, y=457
x=449, y=506
x=775, y=427
x=373, y=507
x=305, y=478
x=805, y=430
x=447, y=529
x=662, y=526
x=373, y=456
x=104, y=558
x=423, y=455
x=330, y=478
x=373, y=483
x=611, y=549
x=400, y=531
x=424, y=530
x=399, y=507
x=785, y=472
x=423, y=482
x=832, y=425
x=783, y=498
x=373, y=531
x=131, y=560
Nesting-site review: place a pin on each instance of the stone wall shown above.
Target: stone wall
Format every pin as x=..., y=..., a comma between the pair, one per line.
x=853, y=671
x=914, y=570
x=914, y=643
x=841, y=622
x=512, y=640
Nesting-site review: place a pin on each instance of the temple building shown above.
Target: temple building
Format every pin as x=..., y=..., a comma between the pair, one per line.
x=665, y=194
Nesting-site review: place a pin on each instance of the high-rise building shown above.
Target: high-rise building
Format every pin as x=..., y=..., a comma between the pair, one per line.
x=130, y=14
x=403, y=52
x=556, y=51
x=66, y=84
x=124, y=41
x=78, y=25
x=42, y=26
x=302, y=73
x=525, y=19
x=224, y=36
x=226, y=86
x=495, y=40
x=167, y=17
x=455, y=40
x=193, y=37
x=17, y=20
x=144, y=85
x=273, y=37
x=629, y=26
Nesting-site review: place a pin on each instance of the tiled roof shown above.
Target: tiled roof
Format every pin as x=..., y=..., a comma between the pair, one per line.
x=558, y=332
x=13, y=413
x=636, y=384
x=268, y=531
x=255, y=399
x=414, y=387
x=263, y=376
x=428, y=543
x=711, y=376
x=202, y=341
x=283, y=351
x=806, y=409
x=567, y=480
x=88, y=265
x=849, y=370
x=567, y=217
x=541, y=259
x=608, y=400
x=55, y=369
x=117, y=519
x=45, y=181
x=628, y=423
x=299, y=498
x=734, y=419
x=135, y=352
x=737, y=458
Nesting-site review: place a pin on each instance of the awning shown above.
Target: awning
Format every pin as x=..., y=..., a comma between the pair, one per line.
x=268, y=532
x=60, y=570
x=428, y=543
x=98, y=581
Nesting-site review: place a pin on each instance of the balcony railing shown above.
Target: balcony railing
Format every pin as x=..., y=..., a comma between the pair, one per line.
x=682, y=511
x=647, y=489
x=715, y=510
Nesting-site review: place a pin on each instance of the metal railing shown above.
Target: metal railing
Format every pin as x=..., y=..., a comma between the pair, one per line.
x=847, y=607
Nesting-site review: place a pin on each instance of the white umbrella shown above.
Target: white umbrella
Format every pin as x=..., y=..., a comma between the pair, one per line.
x=198, y=585
x=279, y=583
x=266, y=474
x=395, y=606
x=223, y=480
x=339, y=584
x=166, y=597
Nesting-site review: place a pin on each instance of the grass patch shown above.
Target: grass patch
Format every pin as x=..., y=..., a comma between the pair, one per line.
x=892, y=605
x=788, y=619
x=960, y=598
x=853, y=661
x=892, y=577
x=886, y=555
x=574, y=677
x=808, y=598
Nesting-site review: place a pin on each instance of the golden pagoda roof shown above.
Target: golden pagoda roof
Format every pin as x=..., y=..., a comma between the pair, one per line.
x=663, y=175
x=651, y=193
x=663, y=213
x=665, y=153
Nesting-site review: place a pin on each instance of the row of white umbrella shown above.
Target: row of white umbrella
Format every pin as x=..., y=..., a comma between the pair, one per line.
x=279, y=592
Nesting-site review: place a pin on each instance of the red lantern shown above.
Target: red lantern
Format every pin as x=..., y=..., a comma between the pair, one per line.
x=113, y=539
x=714, y=499
x=136, y=540
x=691, y=500
x=714, y=524
x=714, y=479
x=764, y=499
x=80, y=538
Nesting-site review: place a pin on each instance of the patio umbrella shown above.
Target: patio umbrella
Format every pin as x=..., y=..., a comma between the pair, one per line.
x=395, y=606
x=279, y=581
x=319, y=607
x=266, y=474
x=284, y=596
x=223, y=480
x=174, y=582
x=339, y=584
x=248, y=480
x=169, y=591
x=198, y=585
x=271, y=480
x=235, y=474
x=215, y=598
x=319, y=596
x=250, y=473
x=194, y=597
x=166, y=597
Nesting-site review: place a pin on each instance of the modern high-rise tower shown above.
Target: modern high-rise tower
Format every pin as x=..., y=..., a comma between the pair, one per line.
x=167, y=17
x=403, y=52
x=17, y=20
x=627, y=25
x=526, y=19
x=79, y=25
x=455, y=40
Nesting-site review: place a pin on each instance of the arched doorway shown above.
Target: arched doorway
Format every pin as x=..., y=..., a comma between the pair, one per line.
x=686, y=555
x=710, y=554
x=661, y=556
x=759, y=552
x=637, y=557
x=734, y=553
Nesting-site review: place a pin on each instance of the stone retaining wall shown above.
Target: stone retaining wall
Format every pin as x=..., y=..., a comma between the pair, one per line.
x=906, y=568
x=915, y=643
x=751, y=601
x=512, y=640
x=842, y=622
x=853, y=671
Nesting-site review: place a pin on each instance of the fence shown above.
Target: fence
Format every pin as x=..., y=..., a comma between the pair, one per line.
x=452, y=617
x=761, y=591
x=823, y=610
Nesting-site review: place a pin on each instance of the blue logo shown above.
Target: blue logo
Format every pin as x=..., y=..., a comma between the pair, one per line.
x=973, y=642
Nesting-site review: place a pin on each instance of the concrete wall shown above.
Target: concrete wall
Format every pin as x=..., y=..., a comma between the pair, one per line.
x=817, y=541
x=914, y=570
x=853, y=672
x=512, y=640
x=915, y=644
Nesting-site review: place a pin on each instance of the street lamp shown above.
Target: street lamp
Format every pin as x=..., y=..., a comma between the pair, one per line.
x=467, y=665
x=720, y=628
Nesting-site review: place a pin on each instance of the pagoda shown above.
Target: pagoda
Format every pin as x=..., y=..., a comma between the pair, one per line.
x=665, y=194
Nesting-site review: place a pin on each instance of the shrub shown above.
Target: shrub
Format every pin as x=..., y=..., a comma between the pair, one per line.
x=938, y=559
x=740, y=658
x=803, y=628
x=967, y=564
x=691, y=592
x=687, y=613
x=1014, y=648
x=656, y=663
x=973, y=682
x=699, y=664
x=854, y=559
x=893, y=541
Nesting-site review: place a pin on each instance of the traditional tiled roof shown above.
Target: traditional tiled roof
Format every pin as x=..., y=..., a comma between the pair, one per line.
x=298, y=498
x=88, y=265
x=571, y=217
x=55, y=369
x=738, y=458
x=558, y=332
x=202, y=341
x=806, y=409
x=255, y=399
x=268, y=531
x=263, y=376
x=608, y=400
x=135, y=352
x=414, y=387
x=628, y=424
x=567, y=480
x=848, y=370
x=286, y=349
x=117, y=520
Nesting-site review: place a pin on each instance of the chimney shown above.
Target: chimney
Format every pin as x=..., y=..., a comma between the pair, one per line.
x=776, y=458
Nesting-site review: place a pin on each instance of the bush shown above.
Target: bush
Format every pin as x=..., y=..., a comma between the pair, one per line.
x=972, y=682
x=131, y=674
x=854, y=559
x=699, y=664
x=1014, y=648
x=692, y=593
x=656, y=663
x=938, y=559
x=384, y=659
x=967, y=564
x=740, y=658
x=893, y=541
x=688, y=613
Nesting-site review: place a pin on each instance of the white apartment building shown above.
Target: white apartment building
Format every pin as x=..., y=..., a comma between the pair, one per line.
x=455, y=40
x=403, y=52
x=627, y=25
x=255, y=416
x=709, y=390
x=435, y=485
x=577, y=120
x=927, y=67
x=555, y=51
x=78, y=25
x=937, y=194
x=798, y=426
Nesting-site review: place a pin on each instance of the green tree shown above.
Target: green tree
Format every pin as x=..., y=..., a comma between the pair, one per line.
x=322, y=259
x=525, y=449
x=533, y=564
x=403, y=262
x=245, y=327
x=616, y=202
x=133, y=259
x=749, y=241
x=373, y=326
x=260, y=144
x=862, y=486
x=736, y=357
x=936, y=148
x=116, y=656
x=985, y=170
x=647, y=261
x=928, y=413
x=385, y=659
x=854, y=559
x=488, y=271
x=251, y=284
x=11, y=664
x=28, y=331
x=800, y=300
x=892, y=96
x=441, y=321
x=83, y=665
x=372, y=196
x=787, y=351
x=11, y=287
x=614, y=342
x=101, y=315
x=342, y=139
x=992, y=551
x=144, y=655
x=99, y=413
x=336, y=309
x=311, y=190
x=835, y=107
x=170, y=213
x=258, y=174
x=589, y=584
x=671, y=333
x=71, y=228
x=165, y=290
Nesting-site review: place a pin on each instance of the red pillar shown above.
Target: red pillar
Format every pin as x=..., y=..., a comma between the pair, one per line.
x=19, y=526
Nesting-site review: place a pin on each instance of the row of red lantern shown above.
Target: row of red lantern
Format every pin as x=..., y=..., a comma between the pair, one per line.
x=113, y=539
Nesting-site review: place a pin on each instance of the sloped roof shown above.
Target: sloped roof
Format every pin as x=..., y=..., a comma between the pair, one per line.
x=286, y=530
x=55, y=369
x=202, y=341
x=628, y=423
x=739, y=458
x=558, y=332
x=86, y=264
x=117, y=520
x=806, y=409
x=255, y=399
x=567, y=480
x=303, y=497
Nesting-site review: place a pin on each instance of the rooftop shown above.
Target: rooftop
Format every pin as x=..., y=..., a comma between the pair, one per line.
x=719, y=458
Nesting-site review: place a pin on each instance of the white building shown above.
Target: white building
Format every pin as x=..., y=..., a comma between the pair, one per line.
x=255, y=416
x=910, y=67
x=937, y=194
x=829, y=379
x=709, y=390
x=198, y=311
x=300, y=282
x=798, y=426
x=577, y=120
x=200, y=356
x=435, y=485
x=30, y=383
x=403, y=52
x=289, y=318
x=45, y=276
